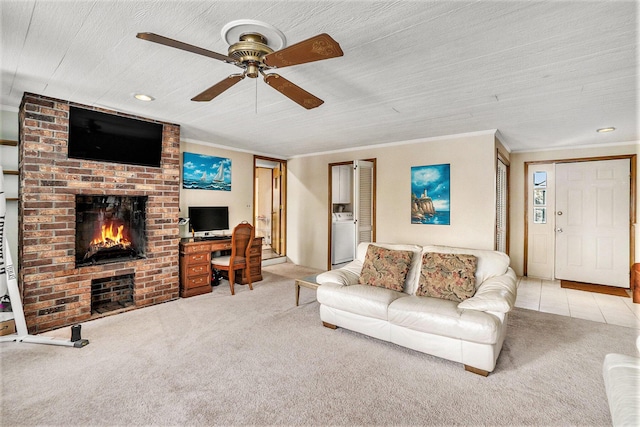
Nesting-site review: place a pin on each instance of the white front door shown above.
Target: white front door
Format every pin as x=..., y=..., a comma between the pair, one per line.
x=592, y=222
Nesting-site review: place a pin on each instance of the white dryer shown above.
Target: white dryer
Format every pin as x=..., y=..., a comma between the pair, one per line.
x=343, y=238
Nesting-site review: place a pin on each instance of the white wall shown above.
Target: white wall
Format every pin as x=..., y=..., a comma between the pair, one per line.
x=472, y=160
x=517, y=191
x=239, y=199
x=307, y=209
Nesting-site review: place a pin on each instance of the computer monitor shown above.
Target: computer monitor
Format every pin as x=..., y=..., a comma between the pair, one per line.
x=208, y=219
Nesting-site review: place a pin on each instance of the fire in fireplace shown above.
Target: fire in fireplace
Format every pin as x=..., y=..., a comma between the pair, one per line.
x=109, y=228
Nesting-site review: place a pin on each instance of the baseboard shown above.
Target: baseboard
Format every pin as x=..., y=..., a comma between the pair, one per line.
x=600, y=289
x=272, y=261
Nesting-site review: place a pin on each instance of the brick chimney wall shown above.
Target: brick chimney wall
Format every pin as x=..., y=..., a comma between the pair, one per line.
x=55, y=292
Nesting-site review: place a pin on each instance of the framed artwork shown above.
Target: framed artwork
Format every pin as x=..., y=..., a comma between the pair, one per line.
x=202, y=172
x=430, y=194
x=539, y=197
x=539, y=215
x=540, y=179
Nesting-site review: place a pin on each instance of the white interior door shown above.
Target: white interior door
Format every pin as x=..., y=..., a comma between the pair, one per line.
x=592, y=222
x=363, y=201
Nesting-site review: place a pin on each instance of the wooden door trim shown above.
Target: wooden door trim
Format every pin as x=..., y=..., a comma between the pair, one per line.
x=330, y=203
x=283, y=196
x=330, y=206
x=501, y=158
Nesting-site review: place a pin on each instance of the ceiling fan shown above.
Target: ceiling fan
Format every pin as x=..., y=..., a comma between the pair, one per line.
x=256, y=54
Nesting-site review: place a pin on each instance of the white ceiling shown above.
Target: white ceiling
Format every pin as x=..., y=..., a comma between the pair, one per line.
x=545, y=74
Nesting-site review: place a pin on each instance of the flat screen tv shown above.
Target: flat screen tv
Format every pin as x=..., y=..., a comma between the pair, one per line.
x=203, y=219
x=94, y=135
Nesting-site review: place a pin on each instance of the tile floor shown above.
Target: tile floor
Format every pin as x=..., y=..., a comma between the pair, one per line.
x=547, y=296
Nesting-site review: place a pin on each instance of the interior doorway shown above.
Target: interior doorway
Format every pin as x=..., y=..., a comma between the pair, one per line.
x=352, y=187
x=580, y=214
x=269, y=205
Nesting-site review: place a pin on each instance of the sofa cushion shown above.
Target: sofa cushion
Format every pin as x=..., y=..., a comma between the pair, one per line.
x=346, y=275
x=447, y=276
x=413, y=275
x=386, y=268
x=369, y=301
x=442, y=317
x=490, y=263
x=497, y=294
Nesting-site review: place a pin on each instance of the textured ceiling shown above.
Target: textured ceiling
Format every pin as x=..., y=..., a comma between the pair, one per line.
x=545, y=74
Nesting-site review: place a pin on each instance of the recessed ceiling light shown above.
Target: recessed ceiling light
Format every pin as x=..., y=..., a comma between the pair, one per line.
x=603, y=130
x=143, y=97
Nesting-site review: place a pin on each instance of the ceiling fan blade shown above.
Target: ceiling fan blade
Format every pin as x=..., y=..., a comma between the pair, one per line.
x=184, y=46
x=218, y=88
x=316, y=48
x=293, y=92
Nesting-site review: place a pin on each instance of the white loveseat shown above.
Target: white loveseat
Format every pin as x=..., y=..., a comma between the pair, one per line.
x=469, y=332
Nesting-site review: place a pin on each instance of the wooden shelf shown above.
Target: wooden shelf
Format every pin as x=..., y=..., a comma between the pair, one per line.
x=8, y=142
x=12, y=199
x=10, y=172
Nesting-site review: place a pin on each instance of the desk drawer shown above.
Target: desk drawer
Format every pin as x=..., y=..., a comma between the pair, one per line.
x=195, y=270
x=199, y=258
x=196, y=281
x=190, y=249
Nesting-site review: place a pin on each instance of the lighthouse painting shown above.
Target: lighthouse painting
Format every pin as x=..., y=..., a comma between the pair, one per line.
x=430, y=194
x=204, y=172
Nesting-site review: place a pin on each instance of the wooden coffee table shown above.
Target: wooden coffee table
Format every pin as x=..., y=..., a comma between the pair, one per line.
x=305, y=282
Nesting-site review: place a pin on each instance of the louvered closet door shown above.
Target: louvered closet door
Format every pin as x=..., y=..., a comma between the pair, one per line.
x=363, y=209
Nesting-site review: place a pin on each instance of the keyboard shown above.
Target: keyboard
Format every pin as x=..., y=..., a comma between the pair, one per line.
x=213, y=238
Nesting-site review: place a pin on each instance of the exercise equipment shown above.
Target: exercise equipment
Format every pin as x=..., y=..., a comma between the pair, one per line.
x=8, y=271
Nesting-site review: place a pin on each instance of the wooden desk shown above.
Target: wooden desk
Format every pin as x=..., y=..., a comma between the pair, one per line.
x=195, y=264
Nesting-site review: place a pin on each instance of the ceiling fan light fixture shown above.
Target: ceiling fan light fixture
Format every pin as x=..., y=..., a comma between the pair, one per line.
x=143, y=97
x=605, y=130
x=252, y=70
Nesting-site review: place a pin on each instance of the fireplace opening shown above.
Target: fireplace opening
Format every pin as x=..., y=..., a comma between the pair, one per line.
x=111, y=293
x=110, y=229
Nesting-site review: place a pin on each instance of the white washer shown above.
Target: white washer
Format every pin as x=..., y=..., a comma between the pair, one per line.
x=343, y=238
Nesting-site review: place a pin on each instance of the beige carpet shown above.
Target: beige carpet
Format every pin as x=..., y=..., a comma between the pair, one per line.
x=257, y=359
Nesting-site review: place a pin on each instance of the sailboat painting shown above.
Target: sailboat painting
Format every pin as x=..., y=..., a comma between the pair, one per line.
x=430, y=194
x=202, y=172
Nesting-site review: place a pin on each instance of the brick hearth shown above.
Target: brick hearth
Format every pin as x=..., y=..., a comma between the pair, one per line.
x=55, y=292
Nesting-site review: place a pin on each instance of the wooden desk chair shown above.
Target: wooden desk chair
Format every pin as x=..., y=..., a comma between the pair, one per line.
x=241, y=240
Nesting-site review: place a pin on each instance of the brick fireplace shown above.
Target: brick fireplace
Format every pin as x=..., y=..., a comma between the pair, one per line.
x=56, y=291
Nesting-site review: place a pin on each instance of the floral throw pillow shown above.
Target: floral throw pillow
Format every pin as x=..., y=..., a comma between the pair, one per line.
x=385, y=268
x=448, y=276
